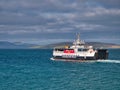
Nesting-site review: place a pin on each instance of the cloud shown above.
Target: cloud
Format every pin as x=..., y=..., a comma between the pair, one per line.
x=50, y=28
x=100, y=11
x=43, y=10
x=29, y=19
x=92, y=27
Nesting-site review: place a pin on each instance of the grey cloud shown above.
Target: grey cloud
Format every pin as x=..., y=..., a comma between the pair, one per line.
x=102, y=11
x=31, y=18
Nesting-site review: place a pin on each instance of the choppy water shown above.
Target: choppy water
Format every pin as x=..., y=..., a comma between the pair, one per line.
x=33, y=70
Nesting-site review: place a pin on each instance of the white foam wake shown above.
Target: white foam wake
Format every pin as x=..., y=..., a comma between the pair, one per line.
x=109, y=61
x=52, y=59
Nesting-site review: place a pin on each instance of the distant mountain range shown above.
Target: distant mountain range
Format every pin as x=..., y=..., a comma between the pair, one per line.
x=15, y=45
x=94, y=44
x=19, y=45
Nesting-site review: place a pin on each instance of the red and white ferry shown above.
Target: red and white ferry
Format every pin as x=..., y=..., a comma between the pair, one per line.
x=79, y=52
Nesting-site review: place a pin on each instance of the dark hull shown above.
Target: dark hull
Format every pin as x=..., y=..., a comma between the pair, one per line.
x=72, y=60
x=77, y=58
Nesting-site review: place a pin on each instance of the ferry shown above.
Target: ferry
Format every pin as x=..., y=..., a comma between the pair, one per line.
x=79, y=52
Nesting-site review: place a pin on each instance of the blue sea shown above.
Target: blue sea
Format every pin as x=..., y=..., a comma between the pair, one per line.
x=33, y=70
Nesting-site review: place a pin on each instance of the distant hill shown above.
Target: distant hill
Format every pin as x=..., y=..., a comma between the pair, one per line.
x=20, y=45
x=15, y=45
x=94, y=44
x=103, y=45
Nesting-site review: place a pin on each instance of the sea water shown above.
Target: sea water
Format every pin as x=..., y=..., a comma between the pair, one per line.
x=33, y=70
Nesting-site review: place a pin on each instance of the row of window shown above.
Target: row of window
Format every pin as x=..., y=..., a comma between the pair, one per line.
x=62, y=49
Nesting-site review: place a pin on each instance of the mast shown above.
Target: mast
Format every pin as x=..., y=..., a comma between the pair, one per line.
x=78, y=41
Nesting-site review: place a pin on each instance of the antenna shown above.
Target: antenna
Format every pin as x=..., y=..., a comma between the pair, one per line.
x=78, y=36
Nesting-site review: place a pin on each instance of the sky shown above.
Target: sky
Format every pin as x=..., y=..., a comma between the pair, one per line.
x=51, y=21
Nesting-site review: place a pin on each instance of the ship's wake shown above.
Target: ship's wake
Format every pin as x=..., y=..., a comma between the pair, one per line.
x=109, y=61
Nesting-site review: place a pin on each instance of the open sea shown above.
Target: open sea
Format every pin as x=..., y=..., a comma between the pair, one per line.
x=33, y=70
